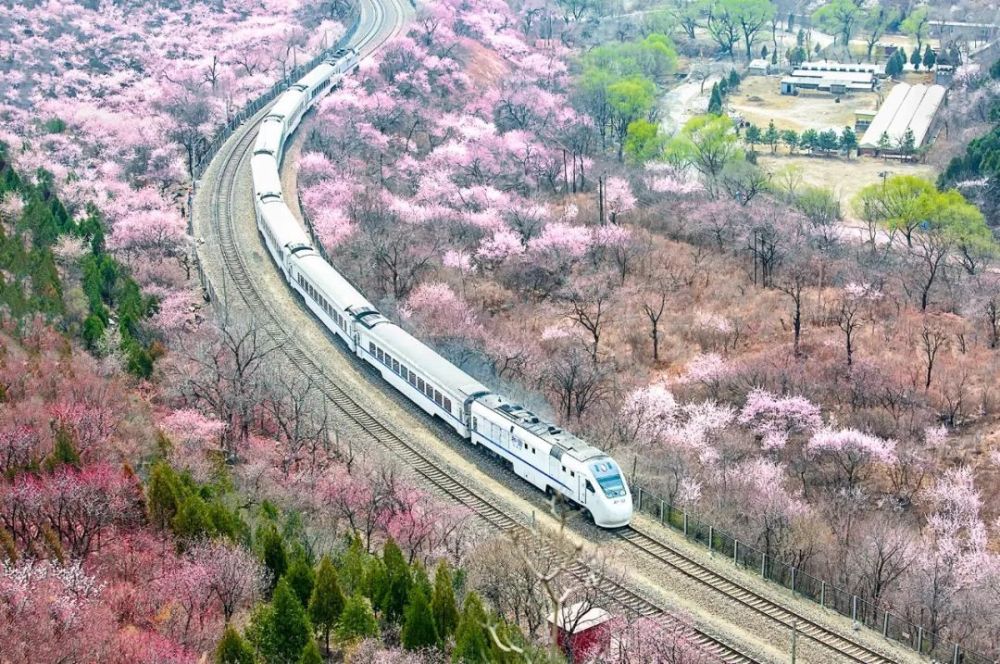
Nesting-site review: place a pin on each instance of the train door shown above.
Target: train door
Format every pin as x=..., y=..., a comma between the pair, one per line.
x=582, y=488
x=555, y=465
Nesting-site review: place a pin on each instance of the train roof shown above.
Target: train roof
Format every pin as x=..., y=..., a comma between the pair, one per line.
x=283, y=225
x=333, y=284
x=287, y=103
x=574, y=447
x=266, y=180
x=269, y=137
x=401, y=343
x=317, y=75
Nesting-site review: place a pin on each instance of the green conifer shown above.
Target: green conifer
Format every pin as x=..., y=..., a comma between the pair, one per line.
x=357, y=621
x=472, y=640
x=418, y=625
x=281, y=629
x=353, y=567
x=233, y=648
x=272, y=551
x=311, y=654
x=327, y=600
x=63, y=452
x=443, y=602
x=398, y=581
x=300, y=574
x=715, y=101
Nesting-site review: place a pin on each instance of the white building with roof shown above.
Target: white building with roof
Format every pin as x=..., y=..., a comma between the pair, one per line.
x=912, y=107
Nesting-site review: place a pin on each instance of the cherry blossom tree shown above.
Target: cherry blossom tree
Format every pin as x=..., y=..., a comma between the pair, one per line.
x=774, y=418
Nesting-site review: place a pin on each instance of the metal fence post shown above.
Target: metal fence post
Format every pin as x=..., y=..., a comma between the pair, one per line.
x=920, y=639
x=822, y=593
x=793, y=580
x=736, y=548
x=954, y=660
x=854, y=608
x=640, y=498
x=661, y=511
x=763, y=565
x=685, y=524
x=885, y=624
x=711, y=539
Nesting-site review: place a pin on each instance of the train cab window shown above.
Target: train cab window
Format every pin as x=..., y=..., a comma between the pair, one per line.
x=590, y=487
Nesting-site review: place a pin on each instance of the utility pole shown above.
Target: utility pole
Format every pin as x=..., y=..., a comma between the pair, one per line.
x=795, y=639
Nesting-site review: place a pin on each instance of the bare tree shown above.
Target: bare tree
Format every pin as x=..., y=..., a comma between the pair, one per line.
x=575, y=379
x=932, y=339
x=223, y=372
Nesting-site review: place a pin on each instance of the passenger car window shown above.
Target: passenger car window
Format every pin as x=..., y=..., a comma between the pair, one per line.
x=590, y=487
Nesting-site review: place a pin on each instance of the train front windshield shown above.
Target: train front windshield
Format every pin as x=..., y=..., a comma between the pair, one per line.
x=607, y=475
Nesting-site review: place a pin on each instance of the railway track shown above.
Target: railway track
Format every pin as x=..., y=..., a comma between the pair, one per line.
x=359, y=421
x=844, y=648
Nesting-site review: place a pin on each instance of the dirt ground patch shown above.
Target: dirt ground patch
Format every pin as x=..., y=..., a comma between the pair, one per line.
x=759, y=100
x=845, y=177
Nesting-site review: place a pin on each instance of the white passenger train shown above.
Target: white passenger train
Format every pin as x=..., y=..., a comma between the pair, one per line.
x=553, y=460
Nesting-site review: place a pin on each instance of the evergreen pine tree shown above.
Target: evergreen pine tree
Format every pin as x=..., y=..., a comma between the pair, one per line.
x=715, y=101
x=376, y=582
x=300, y=575
x=443, y=602
x=163, y=494
x=311, y=654
x=398, y=581
x=418, y=627
x=734, y=79
x=357, y=621
x=272, y=551
x=354, y=567
x=192, y=520
x=915, y=59
x=472, y=640
x=327, y=600
x=281, y=629
x=421, y=580
x=63, y=452
x=233, y=648
x=930, y=57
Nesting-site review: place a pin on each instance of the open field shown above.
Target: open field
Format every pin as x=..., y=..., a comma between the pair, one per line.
x=845, y=177
x=760, y=101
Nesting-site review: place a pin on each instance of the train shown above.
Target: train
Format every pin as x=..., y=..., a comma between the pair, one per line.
x=548, y=457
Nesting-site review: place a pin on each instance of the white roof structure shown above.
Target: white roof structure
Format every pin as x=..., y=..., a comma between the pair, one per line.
x=579, y=617
x=760, y=63
x=846, y=76
x=907, y=106
x=843, y=67
x=920, y=124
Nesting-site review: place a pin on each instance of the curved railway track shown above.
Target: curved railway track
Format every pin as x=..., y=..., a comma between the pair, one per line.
x=359, y=421
x=844, y=648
